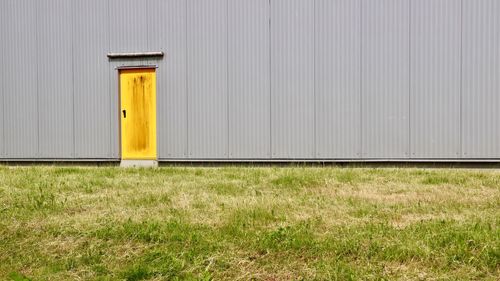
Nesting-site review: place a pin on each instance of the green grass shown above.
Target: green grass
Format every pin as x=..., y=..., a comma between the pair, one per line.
x=245, y=223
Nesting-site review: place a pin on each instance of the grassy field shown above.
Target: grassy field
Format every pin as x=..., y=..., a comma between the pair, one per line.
x=239, y=223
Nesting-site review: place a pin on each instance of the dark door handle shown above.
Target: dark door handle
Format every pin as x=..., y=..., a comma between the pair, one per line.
x=124, y=113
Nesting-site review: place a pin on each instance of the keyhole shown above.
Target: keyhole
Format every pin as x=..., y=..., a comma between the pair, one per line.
x=124, y=113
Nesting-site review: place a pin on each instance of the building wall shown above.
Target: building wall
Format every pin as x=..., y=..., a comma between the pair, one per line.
x=435, y=75
x=256, y=79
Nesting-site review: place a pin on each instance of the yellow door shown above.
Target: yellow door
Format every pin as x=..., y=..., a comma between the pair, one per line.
x=138, y=114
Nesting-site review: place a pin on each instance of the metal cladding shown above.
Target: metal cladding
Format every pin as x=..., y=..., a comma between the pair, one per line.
x=323, y=80
x=435, y=79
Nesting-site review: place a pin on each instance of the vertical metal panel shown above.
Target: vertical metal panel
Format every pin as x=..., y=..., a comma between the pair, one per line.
x=292, y=76
x=90, y=66
x=385, y=78
x=435, y=78
x=338, y=78
x=128, y=25
x=249, y=92
x=20, y=78
x=167, y=32
x=114, y=119
x=481, y=79
x=207, y=78
x=3, y=35
x=55, y=79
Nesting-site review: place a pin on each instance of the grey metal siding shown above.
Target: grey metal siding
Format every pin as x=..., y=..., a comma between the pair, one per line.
x=385, y=76
x=255, y=79
x=481, y=79
x=128, y=25
x=20, y=78
x=248, y=79
x=114, y=114
x=292, y=76
x=3, y=33
x=167, y=33
x=114, y=120
x=207, y=78
x=55, y=79
x=91, y=83
x=338, y=78
x=435, y=78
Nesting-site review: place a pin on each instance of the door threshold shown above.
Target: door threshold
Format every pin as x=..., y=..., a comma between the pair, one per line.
x=139, y=163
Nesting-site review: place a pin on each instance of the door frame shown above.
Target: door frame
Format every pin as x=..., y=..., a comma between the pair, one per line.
x=119, y=71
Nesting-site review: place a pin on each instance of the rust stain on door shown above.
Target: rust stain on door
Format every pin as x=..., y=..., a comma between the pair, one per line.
x=138, y=113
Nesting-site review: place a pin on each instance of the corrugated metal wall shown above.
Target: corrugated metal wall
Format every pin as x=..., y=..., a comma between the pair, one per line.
x=385, y=78
x=435, y=79
x=3, y=34
x=256, y=79
x=20, y=78
x=338, y=78
x=54, y=54
x=249, y=105
x=207, y=73
x=481, y=79
x=92, y=101
x=167, y=33
x=292, y=79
